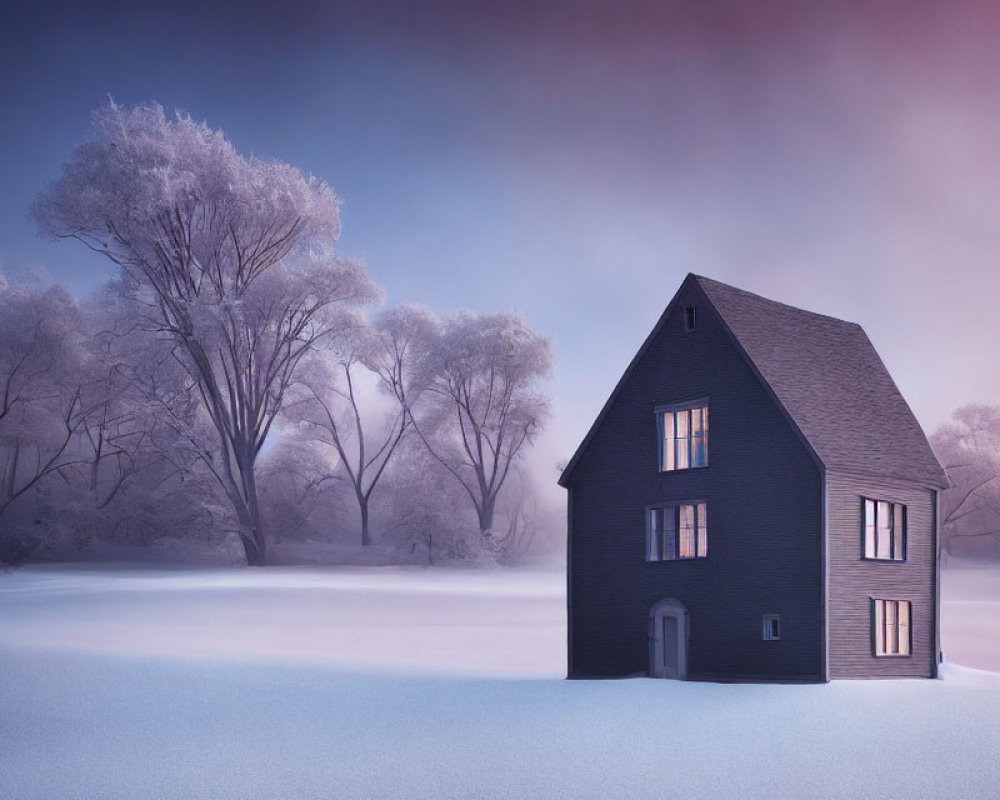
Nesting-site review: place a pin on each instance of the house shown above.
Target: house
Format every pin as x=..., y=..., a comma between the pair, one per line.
x=755, y=501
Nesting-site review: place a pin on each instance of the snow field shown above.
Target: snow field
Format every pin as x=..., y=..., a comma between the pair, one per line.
x=301, y=683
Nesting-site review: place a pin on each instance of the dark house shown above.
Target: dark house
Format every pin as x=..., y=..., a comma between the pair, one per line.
x=756, y=501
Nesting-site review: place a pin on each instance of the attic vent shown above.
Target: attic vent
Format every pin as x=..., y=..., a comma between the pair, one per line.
x=689, y=318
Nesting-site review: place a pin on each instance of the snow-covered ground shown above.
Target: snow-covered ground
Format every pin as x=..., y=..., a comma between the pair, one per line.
x=410, y=683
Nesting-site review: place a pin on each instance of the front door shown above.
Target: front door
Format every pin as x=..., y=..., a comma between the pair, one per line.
x=668, y=640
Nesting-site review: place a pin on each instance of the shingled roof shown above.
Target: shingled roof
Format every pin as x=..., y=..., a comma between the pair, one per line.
x=833, y=385
x=830, y=382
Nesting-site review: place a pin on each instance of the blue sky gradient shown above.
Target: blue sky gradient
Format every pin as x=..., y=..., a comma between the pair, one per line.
x=575, y=161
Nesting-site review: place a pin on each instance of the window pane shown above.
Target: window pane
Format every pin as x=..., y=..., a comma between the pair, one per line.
x=687, y=532
x=891, y=642
x=702, y=530
x=904, y=627
x=669, y=540
x=898, y=527
x=669, y=461
x=879, y=625
x=683, y=423
x=653, y=535
x=699, y=451
x=683, y=439
x=699, y=454
x=883, y=539
x=683, y=453
x=869, y=529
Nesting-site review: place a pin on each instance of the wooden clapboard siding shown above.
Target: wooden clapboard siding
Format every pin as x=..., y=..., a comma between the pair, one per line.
x=764, y=496
x=854, y=580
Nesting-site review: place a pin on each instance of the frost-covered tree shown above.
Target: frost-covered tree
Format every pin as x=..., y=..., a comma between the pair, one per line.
x=481, y=403
x=302, y=497
x=331, y=408
x=423, y=511
x=230, y=259
x=139, y=445
x=41, y=398
x=969, y=450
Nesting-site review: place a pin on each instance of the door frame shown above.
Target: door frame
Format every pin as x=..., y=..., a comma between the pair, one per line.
x=664, y=608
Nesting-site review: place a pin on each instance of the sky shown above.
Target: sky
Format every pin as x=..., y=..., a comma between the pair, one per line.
x=574, y=161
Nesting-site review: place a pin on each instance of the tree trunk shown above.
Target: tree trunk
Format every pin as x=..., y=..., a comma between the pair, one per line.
x=486, y=516
x=366, y=538
x=251, y=533
x=259, y=555
x=244, y=498
x=256, y=553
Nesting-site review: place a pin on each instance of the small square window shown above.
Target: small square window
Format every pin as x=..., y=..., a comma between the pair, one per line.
x=772, y=627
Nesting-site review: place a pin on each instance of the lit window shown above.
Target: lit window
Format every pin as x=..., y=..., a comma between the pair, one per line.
x=677, y=531
x=683, y=438
x=772, y=627
x=891, y=627
x=884, y=530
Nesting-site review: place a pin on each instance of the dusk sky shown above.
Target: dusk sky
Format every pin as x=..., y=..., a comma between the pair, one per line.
x=575, y=161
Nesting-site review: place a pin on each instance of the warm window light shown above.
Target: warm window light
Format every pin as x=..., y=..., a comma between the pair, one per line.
x=683, y=438
x=884, y=530
x=675, y=532
x=891, y=627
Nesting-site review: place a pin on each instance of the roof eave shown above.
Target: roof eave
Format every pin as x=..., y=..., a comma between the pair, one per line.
x=565, y=476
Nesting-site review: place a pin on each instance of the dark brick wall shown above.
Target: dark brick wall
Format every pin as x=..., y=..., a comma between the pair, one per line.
x=764, y=504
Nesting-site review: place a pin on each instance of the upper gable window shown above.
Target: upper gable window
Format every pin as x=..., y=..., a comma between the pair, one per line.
x=884, y=530
x=689, y=318
x=683, y=437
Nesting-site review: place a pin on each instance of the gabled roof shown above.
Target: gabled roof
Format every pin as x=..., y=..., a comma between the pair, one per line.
x=826, y=376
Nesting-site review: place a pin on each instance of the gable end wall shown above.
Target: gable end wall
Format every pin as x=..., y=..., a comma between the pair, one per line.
x=764, y=495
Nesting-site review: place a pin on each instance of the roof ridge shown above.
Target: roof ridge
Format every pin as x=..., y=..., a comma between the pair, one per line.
x=702, y=279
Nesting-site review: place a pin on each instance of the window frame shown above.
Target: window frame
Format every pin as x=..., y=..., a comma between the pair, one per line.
x=661, y=410
x=902, y=518
x=879, y=632
x=699, y=531
x=767, y=619
x=690, y=318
